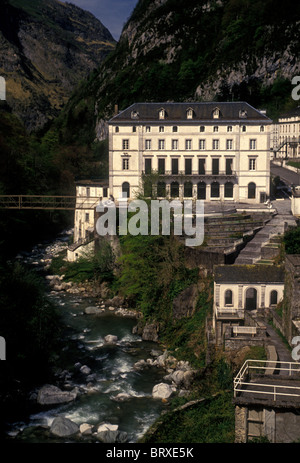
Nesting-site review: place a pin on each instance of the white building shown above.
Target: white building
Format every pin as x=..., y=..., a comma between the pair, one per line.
x=211, y=151
x=242, y=289
x=88, y=196
x=286, y=135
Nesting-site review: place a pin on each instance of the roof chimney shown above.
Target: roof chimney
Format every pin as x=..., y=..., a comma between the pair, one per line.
x=116, y=109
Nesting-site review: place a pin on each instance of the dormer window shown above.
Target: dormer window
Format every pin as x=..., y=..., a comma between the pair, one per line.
x=243, y=114
x=134, y=115
x=190, y=113
x=162, y=114
x=216, y=113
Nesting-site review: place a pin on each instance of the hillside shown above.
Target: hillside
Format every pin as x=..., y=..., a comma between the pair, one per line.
x=173, y=50
x=47, y=47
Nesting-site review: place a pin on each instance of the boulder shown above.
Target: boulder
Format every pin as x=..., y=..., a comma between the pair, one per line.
x=92, y=310
x=85, y=370
x=63, y=427
x=111, y=339
x=162, y=391
x=85, y=429
x=112, y=437
x=150, y=332
x=51, y=395
x=107, y=427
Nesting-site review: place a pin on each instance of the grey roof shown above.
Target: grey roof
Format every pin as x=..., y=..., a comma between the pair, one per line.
x=292, y=113
x=202, y=111
x=249, y=274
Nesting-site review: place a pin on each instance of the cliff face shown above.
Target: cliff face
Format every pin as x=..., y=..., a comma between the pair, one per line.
x=203, y=50
x=47, y=47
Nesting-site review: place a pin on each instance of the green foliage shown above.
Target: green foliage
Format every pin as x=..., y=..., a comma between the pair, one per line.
x=210, y=421
x=292, y=241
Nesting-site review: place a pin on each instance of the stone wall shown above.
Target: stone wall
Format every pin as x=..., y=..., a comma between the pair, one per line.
x=291, y=306
x=240, y=424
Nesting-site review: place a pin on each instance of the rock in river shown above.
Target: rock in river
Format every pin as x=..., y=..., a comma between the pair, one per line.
x=63, y=427
x=162, y=391
x=51, y=395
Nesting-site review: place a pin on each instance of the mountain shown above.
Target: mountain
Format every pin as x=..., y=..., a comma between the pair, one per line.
x=47, y=47
x=173, y=50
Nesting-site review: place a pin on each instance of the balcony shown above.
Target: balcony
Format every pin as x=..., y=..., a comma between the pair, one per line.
x=183, y=176
x=229, y=313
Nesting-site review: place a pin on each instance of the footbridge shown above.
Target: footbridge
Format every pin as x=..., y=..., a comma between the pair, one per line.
x=42, y=202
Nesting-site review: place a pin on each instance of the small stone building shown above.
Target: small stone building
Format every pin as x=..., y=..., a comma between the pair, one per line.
x=242, y=291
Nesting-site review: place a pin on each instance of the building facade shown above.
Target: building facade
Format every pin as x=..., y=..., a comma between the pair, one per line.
x=286, y=135
x=210, y=151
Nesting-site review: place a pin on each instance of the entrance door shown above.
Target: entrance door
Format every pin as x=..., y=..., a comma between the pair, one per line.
x=251, y=299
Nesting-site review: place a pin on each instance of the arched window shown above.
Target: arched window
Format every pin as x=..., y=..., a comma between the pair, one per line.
x=174, y=189
x=228, y=297
x=273, y=297
x=228, y=190
x=188, y=190
x=201, y=190
x=125, y=190
x=161, y=189
x=215, y=190
x=251, y=190
x=147, y=188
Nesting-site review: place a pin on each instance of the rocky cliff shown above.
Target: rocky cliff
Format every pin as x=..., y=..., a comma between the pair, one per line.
x=201, y=50
x=47, y=47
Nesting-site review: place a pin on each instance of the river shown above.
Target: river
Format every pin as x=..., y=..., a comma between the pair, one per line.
x=111, y=373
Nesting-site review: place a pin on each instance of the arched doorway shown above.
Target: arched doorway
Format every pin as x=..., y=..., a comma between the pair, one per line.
x=251, y=299
x=125, y=190
x=188, y=190
x=251, y=190
x=161, y=189
x=174, y=189
x=215, y=190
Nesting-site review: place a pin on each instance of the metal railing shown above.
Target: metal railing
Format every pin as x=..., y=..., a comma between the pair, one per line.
x=269, y=389
x=182, y=173
x=229, y=311
x=244, y=330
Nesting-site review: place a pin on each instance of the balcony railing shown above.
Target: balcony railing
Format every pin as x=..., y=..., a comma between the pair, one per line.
x=225, y=312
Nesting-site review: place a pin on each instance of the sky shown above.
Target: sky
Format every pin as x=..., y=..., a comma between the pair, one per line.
x=112, y=13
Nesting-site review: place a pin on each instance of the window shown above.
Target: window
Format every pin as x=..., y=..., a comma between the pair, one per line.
x=228, y=297
x=216, y=113
x=201, y=166
x=216, y=128
x=125, y=164
x=148, y=144
x=161, y=189
x=161, y=129
x=229, y=144
x=244, y=129
x=262, y=128
x=161, y=144
x=189, y=113
x=174, y=189
x=215, y=166
x=228, y=190
x=201, y=190
x=161, y=166
x=175, y=166
x=175, y=128
x=215, y=144
x=252, y=144
x=202, y=144
x=161, y=114
x=252, y=164
x=174, y=144
x=134, y=128
x=202, y=128
x=188, y=167
x=274, y=297
x=87, y=217
x=188, y=190
x=148, y=128
x=251, y=190
x=125, y=190
x=125, y=144
x=229, y=128
x=228, y=166
x=188, y=144
x=214, y=190
x=88, y=191
x=117, y=129
x=148, y=166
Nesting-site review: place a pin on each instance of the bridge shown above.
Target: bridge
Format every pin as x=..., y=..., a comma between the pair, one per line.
x=67, y=203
